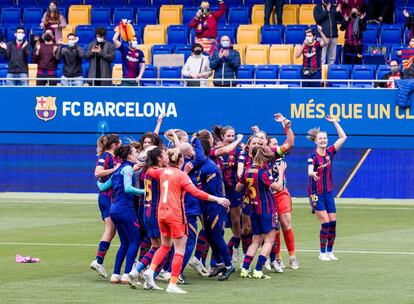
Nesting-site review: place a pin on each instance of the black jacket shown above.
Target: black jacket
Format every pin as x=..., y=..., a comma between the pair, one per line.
x=17, y=58
x=72, y=60
x=328, y=20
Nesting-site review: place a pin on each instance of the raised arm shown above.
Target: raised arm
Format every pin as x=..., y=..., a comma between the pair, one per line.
x=199, y=154
x=159, y=122
x=341, y=133
x=227, y=149
x=290, y=136
x=115, y=39
x=128, y=172
x=325, y=41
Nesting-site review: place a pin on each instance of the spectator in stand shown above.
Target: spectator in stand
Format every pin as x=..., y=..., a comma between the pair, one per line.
x=407, y=55
x=133, y=60
x=54, y=21
x=197, y=66
x=354, y=26
x=45, y=55
x=410, y=23
x=348, y=5
x=225, y=62
x=381, y=10
x=327, y=15
x=16, y=52
x=395, y=74
x=72, y=61
x=269, y=5
x=101, y=53
x=205, y=23
x=311, y=50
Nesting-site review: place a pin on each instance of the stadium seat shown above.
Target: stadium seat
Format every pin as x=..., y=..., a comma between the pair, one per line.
x=94, y=2
x=338, y=72
x=290, y=14
x=10, y=15
x=161, y=49
x=258, y=14
x=118, y=56
x=67, y=30
x=393, y=52
x=9, y=35
x=399, y=13
x=138, y=3
x=370, y=36
x=295, y=34
x=45, y=3
x=306, y=14
x=155, y=34
x=86, y=33
x=150, y=72
x=290, y=72
x=171, y=14
x=375, y=59
x=233, y=3
x=248, y=34
x=159, y=3
x=68, y=3
x=272, y=34
x=257, y=54
x=241, y=48
x=281, y=54
x=32, y=16
x=239, y=15
x=32, y=73
x=251, y=3
x=123, y=13
x=79, y=15
x=183, y=49
x=297, y=60
x=391, y=34
x=301, y=1
x=177, y=34
x=26, y=3
x=363, y=72
x=228, y=30
x=185, y=2
x=3, y=71
x=146, y=15
x=138, y=33
x=382, y=70
x=100, y=15
x=170, y=72
x=245, y=72
x=267, y=72
x=188, y=14
x=146, y=49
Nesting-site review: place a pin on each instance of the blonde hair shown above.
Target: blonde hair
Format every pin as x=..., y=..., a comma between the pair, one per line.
x=262, y=154
x=205, y=3
x=313, y=133
x=105, y=142
x=174, y=156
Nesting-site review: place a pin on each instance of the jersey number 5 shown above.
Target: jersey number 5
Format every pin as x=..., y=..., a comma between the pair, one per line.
x=148, y=190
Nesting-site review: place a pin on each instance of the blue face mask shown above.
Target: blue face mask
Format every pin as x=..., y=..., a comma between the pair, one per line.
x=225, y=44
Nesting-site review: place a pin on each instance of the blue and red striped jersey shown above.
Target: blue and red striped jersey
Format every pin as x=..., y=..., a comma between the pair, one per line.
x=322, y=164
x=230, y=163
x=257, y=181
x=151, y=197
x=107, y=161
x=312, y=56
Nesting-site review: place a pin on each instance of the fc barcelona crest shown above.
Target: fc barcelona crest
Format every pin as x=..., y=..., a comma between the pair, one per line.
x=46, y=108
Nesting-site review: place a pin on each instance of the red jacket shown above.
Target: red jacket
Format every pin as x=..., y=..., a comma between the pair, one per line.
x=206, y=27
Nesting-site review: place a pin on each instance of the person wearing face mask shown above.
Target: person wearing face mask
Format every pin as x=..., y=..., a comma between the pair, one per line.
x=311, y=50
x=205, y=24
x=72, y=56
x=197, y=66
x=133, y=60
x=328, y=15
x=394, y=74
x=45, y=55
x=53, y=20
x=101, y=53
x=16, y=52
x=225, y=62
x=354, y=26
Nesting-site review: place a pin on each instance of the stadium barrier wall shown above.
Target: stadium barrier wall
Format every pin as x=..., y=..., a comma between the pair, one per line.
x=48, y=133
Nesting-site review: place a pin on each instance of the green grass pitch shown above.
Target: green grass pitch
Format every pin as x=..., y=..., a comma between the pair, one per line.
x=375, y=245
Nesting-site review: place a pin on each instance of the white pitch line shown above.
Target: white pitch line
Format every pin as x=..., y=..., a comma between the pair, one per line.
x=298, y=250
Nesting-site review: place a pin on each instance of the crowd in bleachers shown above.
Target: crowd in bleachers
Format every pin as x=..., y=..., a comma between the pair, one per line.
x=265, y=45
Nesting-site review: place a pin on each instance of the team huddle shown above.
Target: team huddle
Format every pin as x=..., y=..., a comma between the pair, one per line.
x=154, y=195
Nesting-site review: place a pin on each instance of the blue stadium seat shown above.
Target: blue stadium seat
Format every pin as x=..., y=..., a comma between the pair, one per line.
x=239, y=15
x=301, y=2
x=170, y=72
x=85, y=68
x=370, y=36
x=118, y=56
x=146, y=15
x=399, y=13
x=139, y=3
x=109, y=29
x=86, y=33
x=3, y=71
x=375, y=59
x=9, y=35
x=295, y=34
x=45, y=3
x=246, y=72
x=266, y=72
x=291, y=71
x=272, y=34
x=336, y=72
x=139, y=31
x=59, y=70
x=123, y=13
x=177, y=34
x=32, y=16
x=382, y=70
x=10, y=15
x=394, y=50
x=27, y=3
x=100, y=15
x=35, y=31
x=161, y=49
x=183, y=49
x=233, y=3
x=250, y=3
x=158, y=3
x=2, y=32
x=67, y=3
x=363, y=72
x=116, y=3
x=391, y=34
x=150, y=72
x=185, y=2
x=228, y=30
x=7, y=3
x=188, y=14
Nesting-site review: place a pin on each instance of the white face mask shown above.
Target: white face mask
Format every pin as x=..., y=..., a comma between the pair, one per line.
x=134, y=44
x=71, y=43
x=309, y=40
x=20, y=36
x=225, y=44
x=99, y=39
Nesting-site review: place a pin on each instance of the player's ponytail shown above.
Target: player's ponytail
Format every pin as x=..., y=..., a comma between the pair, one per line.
x=105, y=143
x=262, y=154
x=312, y=133
x=123, y=152
x=217, y=130
x=152, y=154
x=174, y=156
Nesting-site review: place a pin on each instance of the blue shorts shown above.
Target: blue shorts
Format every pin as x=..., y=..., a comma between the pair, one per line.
x=246, y=208
x=104, y=202
x=151, y=227
x=234, y=197
x=325, y=202
x=263, y=223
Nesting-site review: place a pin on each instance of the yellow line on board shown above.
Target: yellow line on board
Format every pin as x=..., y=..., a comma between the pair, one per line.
x=361, y=161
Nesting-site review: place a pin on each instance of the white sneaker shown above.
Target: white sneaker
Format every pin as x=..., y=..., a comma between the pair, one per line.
x=198, y=267
x=163, y=276
x=133, y=278
x=276, y=266
x=125, y=279
x=293, y=263
x=331, y=256
x=99, y=268
x=173, y=288
x=281, y=264
x=324, y=257
x=236, y=255
x=155, y=287
x=116, y=278
x=149, y=280
x=267, y=266
x=259, y=275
